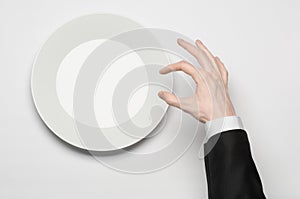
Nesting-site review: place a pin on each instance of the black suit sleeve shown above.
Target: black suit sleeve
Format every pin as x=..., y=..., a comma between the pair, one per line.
x=230, y=169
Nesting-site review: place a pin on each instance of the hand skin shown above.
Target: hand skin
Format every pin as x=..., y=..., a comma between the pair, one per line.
x=211, y=99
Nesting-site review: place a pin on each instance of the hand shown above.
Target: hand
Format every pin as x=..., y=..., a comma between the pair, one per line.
x=211, y=99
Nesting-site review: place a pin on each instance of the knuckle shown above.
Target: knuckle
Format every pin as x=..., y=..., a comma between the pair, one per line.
x=183, y=62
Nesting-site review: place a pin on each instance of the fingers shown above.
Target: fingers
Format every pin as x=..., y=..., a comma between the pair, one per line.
x=188, y=47
x=193, y=50
x=170, y=98
x=186, y=104
x=209, y=55
x=222, y=69
x=186, y=68
x=201, y=53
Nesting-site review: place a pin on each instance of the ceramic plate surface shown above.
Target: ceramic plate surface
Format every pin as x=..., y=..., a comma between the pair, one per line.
x=70, y=96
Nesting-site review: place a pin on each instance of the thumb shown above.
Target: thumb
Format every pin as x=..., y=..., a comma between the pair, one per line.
x=170, y=98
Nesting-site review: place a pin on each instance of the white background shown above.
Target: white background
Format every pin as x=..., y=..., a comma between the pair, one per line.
x=257, y=40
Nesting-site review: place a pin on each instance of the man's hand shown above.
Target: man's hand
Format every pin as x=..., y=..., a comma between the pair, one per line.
x=211, y=99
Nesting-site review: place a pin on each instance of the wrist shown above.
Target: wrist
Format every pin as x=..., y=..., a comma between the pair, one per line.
x=225, y=110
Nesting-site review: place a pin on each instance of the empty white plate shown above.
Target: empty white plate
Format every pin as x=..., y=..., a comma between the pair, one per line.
x=94, y=94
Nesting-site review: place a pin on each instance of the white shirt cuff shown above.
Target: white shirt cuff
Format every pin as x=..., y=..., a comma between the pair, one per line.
x=219, y=125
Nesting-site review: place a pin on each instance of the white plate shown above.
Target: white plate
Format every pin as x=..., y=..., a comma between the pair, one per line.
x=84, y=131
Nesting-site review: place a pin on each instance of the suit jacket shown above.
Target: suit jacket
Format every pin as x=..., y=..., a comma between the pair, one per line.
x=230, y=170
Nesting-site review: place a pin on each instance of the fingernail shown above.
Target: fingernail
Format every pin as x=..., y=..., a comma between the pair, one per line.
x=198, y=41
x=160, y=94
x=180, y=40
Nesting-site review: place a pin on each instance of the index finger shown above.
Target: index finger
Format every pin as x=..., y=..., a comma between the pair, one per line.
x=186, y=68
x=200, y=55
